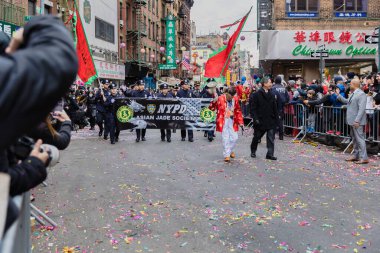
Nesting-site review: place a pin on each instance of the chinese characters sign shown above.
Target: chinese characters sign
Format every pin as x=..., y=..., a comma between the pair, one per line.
x=300, y=44
x=170, y=44
x=344, y=37
x=108, y=70
x=7, y=28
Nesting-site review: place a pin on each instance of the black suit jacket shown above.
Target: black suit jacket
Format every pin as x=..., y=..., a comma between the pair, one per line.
x=264, y=109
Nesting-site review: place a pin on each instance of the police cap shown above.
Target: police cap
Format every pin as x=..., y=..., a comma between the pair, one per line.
x=164, y=86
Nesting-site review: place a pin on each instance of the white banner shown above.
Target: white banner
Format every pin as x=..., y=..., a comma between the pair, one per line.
x=108, y=70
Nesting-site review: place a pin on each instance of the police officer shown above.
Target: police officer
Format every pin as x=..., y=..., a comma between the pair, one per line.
x=174, y=91
x=282, y=98
x=91, y=108
x=197, y=90
x=140, y=92
x=100, y=98
x=165, y=94
x=109, y=105
x=210, y=91
x=185, y=92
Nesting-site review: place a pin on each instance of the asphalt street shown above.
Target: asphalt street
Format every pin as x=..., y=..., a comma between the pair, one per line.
x=174, y=197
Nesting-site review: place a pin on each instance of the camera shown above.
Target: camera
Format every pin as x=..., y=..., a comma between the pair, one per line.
x=25, y=145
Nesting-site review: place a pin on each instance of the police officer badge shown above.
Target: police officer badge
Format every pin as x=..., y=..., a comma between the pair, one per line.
x=151, y=108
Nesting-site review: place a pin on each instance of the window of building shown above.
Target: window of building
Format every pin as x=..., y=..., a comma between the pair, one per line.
x=104, y=31
x=127, y=15
x=350, y=5
x=31, y=7
x=121, y=11
x=149, y=28
x=205, y=55
x=153, y=4
x=302, y=5
x=47, y=9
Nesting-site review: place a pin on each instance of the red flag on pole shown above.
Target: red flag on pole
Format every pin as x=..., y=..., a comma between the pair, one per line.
x=216, y=66
x=87, y=71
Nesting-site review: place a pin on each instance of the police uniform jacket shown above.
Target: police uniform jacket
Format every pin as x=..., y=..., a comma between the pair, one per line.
x=185, y=93
x=168, y=95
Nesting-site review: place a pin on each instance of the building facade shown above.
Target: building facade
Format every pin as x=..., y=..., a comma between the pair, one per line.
x=143, y=37
x=296, y=29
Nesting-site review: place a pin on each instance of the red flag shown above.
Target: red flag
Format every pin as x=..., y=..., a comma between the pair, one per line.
x=216, y=65
x=87, y=71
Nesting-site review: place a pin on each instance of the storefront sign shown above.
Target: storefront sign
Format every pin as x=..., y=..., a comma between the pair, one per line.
x=302, y=43
x=350, y=14
x=166, y=67
x=302, y=14
x=171, y=38
x=183, y=113
x=8, y=28
x=108, y=70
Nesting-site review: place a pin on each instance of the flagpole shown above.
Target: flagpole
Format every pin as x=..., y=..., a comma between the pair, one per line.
x=229, y=56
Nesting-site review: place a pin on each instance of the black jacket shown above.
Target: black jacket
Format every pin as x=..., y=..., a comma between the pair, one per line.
x=61, y=140
x=282, y=96
x=99, y=100
x=169, y=95
x=185, y=94
x=35, y=77
x=325, y=100
x=25, y=175
x=263, y=108
x=141, y=94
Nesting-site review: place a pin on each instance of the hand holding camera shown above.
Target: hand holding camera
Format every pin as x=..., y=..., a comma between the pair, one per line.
x=40, y=153
x=61, y=116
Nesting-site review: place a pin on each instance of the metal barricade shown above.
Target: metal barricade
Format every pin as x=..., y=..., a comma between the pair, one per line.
x=294, y=119
x=17, y=238
x=332, y=122
x=372, y=129
x=327, y=120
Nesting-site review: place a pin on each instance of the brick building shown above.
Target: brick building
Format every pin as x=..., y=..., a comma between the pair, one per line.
x=143, y=32
x=291, y=30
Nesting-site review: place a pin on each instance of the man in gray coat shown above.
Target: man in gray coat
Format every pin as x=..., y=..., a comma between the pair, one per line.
x=356, y=119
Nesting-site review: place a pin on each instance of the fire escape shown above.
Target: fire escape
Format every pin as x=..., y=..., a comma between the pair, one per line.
x=137, y=32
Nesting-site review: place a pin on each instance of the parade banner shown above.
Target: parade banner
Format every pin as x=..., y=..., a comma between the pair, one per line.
x=182, y=113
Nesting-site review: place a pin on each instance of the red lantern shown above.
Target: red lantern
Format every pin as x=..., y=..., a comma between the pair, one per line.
x=225, y=42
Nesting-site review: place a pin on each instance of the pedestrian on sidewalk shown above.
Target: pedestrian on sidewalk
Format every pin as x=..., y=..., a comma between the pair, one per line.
x=265, y=117
x=229, y=118
x=356, y=119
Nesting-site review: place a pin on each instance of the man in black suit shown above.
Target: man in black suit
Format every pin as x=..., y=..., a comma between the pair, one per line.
x=263, y=109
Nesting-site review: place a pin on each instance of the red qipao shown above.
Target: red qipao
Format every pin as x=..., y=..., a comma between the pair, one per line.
x=220, y=105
